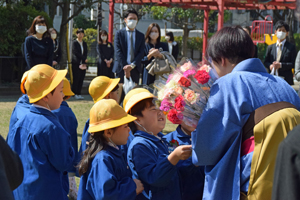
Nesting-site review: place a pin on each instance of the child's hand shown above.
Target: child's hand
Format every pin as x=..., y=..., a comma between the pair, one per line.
x=182, y=152
x=139, y=186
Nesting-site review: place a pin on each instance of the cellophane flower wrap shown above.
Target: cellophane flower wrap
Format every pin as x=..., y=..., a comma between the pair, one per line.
x=183, y=94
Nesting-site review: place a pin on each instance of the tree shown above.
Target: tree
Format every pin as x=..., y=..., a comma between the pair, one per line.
x=185, y=19
x=81, y=21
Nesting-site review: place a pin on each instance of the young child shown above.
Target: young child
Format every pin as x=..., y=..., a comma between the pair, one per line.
x=100, y=87
x=104, y=170
x=148, y=156
x=68, y=120
x=22, y=106
x=39, y=139
x=191, y=177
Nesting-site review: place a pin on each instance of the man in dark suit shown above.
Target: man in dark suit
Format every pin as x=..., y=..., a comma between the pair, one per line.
x=79, y=60
x=282, y=55
x=129, y=49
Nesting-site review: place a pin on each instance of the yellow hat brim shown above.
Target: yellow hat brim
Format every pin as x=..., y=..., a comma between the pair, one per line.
x=114, y=82
x=111, y=124
x=134, y=99
x=53, y=84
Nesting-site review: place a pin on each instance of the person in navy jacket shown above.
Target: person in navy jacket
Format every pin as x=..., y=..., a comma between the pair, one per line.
x=104, y=170
x=69, y=122
x=43, y=145
x=38, y=45
x=191, y=176
x=148, y=154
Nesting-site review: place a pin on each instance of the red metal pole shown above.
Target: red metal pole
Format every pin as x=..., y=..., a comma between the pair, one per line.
x=205, y=33
x=221, y=13
x=111, y=20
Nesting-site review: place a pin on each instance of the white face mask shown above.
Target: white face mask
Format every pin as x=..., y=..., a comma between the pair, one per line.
x=131, y=23
x=40, y=29
x=154, y=35
x=53, y=36
x=167, y=38
x=280, y=35
x=103, y=38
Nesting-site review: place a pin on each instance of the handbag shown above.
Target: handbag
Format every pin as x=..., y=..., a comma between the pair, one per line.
x=159, y=66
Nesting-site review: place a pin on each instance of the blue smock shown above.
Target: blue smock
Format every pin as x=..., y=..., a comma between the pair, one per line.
x=217, y=138
x=191, y=177
x=108, y=177
x=21, y=109
x=148, y=160
x=68, y=120
x=46, y=153
x=86, y=135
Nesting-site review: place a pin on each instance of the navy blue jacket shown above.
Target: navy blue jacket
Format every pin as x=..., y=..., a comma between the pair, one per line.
x=21, y=109
x=191, y=177
x=121, y=47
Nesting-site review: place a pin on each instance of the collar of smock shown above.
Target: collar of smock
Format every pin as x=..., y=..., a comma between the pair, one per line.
x=148, y=136
x=250, y=65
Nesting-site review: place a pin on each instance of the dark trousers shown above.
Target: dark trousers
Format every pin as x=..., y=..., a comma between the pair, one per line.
x=78, y=77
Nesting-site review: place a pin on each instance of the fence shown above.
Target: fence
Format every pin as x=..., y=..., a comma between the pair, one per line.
x=11, y=68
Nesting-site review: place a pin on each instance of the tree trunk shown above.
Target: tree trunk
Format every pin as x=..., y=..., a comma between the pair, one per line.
x=290, y=20
x=63, y=35
x=184, y=40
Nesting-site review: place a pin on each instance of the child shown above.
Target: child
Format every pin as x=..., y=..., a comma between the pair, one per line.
x=105, y=173
x=100, y=87
x=39, y=139
x=68, y=120
x=148, y=156
x=191, y=177
x=22, y=106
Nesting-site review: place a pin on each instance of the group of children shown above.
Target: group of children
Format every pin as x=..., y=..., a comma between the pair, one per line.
x=123, y=154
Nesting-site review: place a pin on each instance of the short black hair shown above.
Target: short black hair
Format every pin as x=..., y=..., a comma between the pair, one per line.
x=80, y=30
x=130, y=10
x=170, y=34
x=232, y=43
x=280, y=24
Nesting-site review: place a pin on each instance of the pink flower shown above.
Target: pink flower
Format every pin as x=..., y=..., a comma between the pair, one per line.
x=178, y=90
x=186, y=66
x=205, y=68
x=191, y=96
x=167, y=93
x=165, y=105
x=189, y=72
x=179, y=103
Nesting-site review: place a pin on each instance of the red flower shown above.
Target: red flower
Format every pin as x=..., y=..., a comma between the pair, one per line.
x=184, y=82
x=174, y=143
x=175, y=117
x=202, y=76
x=179, y=103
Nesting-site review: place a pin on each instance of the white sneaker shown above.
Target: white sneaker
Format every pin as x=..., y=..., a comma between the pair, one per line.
x=77, y=97
x=81, y=97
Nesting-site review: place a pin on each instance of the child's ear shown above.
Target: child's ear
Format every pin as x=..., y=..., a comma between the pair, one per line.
x=108, y=133
x=46, y=98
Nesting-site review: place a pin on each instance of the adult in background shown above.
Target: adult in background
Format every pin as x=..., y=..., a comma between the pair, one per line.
x=281, y=56
x=57, y=48
x=79, y=55
x=105, y=52
x=38, y=45
x=243, y=87
x=173, y=46
x=248, y=30
x=129, y=50
x=153, y=46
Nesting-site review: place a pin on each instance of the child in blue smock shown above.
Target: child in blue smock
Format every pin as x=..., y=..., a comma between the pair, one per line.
x=43, y=145
x=68, y=120
x=104, y=170
x=100, y=87
x=22, y=105
x=191, y=176
x=148, y=155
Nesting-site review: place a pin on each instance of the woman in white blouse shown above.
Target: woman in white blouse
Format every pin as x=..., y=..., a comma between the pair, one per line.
x=173, y=46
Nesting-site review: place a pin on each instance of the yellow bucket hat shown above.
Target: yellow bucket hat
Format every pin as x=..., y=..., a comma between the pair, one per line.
x=24, y=77
x=107, y=114
x=134, y=96
x=41, y=80
x=101, y=86
x=67, y=88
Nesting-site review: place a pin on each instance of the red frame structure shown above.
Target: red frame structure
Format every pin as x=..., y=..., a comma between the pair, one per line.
x=206, y=5
x=260, y=28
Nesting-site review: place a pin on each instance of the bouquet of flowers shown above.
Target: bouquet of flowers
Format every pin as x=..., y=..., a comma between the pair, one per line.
x=183, y=94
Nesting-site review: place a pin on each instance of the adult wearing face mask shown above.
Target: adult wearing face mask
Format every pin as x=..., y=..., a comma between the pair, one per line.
x=38, y=45
x=129, y=50
x=153, y=47
x=281, y=55
x=57, y=49
x=105, y=52
x=173, y=46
